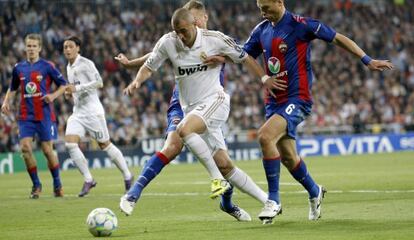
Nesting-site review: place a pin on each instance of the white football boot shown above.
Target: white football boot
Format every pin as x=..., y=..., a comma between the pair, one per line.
x=126, y=206
x=315, y=205
x=238, y=213
x=270, y=210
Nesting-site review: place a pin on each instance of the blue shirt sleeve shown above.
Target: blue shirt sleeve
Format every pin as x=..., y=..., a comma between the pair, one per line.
x=316, y=29
x=253, y=46
x=56, y=76
x=15, y=82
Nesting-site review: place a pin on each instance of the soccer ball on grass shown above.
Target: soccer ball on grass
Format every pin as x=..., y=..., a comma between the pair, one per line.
x=102, y=222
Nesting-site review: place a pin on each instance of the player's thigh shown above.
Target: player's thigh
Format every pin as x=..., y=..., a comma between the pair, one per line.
x=97, y=128
x=47, y=147
x=273, y=129
x=192, y=123
x=215, y=140
x=26, y=144
x=74, y=128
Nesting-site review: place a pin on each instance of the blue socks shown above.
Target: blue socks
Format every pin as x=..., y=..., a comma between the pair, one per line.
x=272, y=171
x=33, y=175
x=151, y=169
x=226, y=203
x=55, y=174
x=301, y=174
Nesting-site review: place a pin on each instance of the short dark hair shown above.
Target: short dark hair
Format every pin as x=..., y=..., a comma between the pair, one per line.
x=74, y=39
x=194, y=4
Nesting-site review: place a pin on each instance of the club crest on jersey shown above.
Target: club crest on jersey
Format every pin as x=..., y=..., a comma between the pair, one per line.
x=273, y=64
x=283, y=47
x=39, y=78
x=31, y=88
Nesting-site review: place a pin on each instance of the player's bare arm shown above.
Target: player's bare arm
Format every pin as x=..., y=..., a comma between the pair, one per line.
x=52, y=96
x=143, y=74
x=134, y=63
x=268, y=82
x=5, y=107
x=349, y=45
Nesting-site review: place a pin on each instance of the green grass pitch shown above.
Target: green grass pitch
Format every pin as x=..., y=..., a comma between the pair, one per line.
x=369, y=197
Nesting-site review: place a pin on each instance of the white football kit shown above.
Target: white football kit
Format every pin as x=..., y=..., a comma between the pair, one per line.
x=88, y=112
x=199, y=87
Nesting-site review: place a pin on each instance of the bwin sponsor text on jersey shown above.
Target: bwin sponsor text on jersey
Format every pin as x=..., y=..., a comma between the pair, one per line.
x=188, y=70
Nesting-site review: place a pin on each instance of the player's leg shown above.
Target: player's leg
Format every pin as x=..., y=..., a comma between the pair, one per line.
x=73, y=134
x=272, y=130
x=172, y=147
x=239, y=179
x=47, y=132
x=298, y=169
x=27, y=129
x=189, y=130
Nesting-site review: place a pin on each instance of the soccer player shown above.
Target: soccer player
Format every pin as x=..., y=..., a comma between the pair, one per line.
x=284, y=40
x=33, y=78
x=173, y=144
x=88, y=115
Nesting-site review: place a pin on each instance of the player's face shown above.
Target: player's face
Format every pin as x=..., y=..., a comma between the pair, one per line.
x=32, y=48
x=70, y=49
x=186, y=31
x=271, y=10
x=200, y=18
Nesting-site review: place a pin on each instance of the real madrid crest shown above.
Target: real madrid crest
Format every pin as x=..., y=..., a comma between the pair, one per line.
x=283, y=47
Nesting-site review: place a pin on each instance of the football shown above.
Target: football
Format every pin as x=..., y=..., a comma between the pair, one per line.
x=102, y=222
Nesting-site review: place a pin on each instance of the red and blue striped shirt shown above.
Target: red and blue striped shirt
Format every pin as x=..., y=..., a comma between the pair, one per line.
x=286, y=51
x=34, y=81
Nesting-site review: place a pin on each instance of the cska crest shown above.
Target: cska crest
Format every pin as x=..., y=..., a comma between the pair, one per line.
x=39, y=78
x=283, y=47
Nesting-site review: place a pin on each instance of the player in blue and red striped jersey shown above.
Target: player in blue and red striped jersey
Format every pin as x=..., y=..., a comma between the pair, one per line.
x=284, y=41
x=33, y=79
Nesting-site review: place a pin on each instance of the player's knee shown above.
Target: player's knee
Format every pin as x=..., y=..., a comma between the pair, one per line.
x=182, y=131
x=172, y=149
x=264, y=137
x=69, y=146
x=26, y=149
x=225, y=167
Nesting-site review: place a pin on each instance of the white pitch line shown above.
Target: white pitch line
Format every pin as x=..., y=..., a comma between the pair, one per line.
x=192, y=194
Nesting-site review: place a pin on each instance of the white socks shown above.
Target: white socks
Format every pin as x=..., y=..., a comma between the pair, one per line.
x=79, y=159
x=202, y=152
x=244, y=183
x=118, y=159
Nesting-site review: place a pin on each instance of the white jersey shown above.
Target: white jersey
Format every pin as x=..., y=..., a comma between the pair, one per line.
x=195, y=80
x=84, y=75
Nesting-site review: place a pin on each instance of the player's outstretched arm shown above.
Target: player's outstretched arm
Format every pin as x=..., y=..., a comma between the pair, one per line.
x=143, y=74
x=5, y=107
x=349, y=45
x=134, y=63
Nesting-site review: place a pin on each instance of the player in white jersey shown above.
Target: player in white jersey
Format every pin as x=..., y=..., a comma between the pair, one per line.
x=88, y=115
x=204, y=102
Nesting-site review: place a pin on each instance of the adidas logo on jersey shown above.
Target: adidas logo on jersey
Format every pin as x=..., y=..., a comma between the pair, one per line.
x=188, y=70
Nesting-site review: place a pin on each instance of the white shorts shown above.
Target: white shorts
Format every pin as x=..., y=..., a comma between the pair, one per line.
x=214, y=111
x=95, y=125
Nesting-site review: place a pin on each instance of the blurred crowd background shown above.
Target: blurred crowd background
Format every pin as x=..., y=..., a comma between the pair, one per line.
x=347, y=97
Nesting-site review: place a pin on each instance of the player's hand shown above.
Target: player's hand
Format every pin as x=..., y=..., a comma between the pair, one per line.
x=274, y=83
x=5, y=108
x=131, y=88
x=122, y=59
x=214, y=60
x=380, y=65
x=70, y=89
x=49, y=98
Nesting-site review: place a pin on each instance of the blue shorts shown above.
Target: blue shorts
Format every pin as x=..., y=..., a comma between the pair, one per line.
x=45, y=130
x=293, y=111
x=174, y=117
